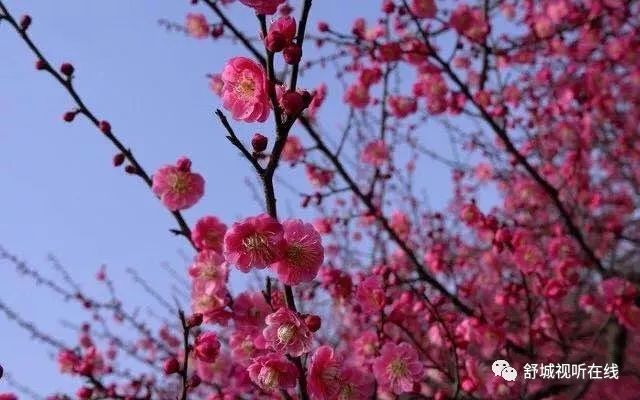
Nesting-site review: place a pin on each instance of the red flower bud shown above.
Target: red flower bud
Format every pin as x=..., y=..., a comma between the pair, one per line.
x=323, y=27
x=292, y=103
x=84, y=393
x=194, y=381
x=275, y=42
x=286, y=9
x=313, y=322
x=194, y=320
x=259, y=142
x=217, y=30
x=292, y=54
x=184, y=164
x=171, y=366
x=25, y=22
x=286, y=26
x=388, y=7
x=40, y=65
x=105, y=127
x=130, y=169
x=69, y=116
x=67, y=69
x=118, y=159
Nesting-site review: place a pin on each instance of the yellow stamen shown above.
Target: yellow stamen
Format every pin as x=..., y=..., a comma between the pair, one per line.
x=178, y=182
x=286, y=333
x=397, y=368
x=246, y=88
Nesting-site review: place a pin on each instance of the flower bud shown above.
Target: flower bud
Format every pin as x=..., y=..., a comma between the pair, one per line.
x=69, y=116
x=292, y=54
x=40, y=65
x=130, y=169
x=286, y=9
x=118, y=159
x=84, y=393
x=292, y=103
x=184, y=164
x=323, y=26
x=313, y=322
x=67, y=69
x=286, y=26
x=105, y=127
x=171, y=366
x=388, y=7
x=194, y=320
x=25, y=22
x=194, y=381
x=275, y=42
x=259, y=142
x=217, y=31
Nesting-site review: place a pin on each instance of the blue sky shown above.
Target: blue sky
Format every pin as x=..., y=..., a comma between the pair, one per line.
x=60, y=194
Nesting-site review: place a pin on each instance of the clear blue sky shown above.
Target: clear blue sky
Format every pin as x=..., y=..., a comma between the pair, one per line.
x=60, y=194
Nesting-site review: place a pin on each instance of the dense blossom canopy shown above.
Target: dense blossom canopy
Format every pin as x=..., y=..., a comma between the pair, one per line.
x=373, y=291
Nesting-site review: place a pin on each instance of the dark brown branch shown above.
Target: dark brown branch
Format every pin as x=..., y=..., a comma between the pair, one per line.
x=239, y=35
x=184, y=369
x=233, y=138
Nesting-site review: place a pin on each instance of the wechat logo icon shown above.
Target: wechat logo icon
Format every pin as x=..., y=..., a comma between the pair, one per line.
x=503, y=369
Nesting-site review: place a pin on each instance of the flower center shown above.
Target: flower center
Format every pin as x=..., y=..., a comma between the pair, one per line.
x=255, y=242
x=286, y=333
x=179, y=183
x=270, y=378
x=397, y=368
x=296, y=255
x=205, y=302
x=345, y=392
x=247, y=347
x=209, y=270
x=259, y=245
x=246, y=88
x=212, y=238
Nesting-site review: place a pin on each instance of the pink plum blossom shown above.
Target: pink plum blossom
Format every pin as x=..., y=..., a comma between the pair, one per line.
x=178, y=187
x=197, y=26
x=250, y=310
x=375, y=153
x=287, y=333
x=272, y=372
x=324, y=373
x=370, y=294
x=398, y=367
x=303, y=253
x=244, y=90
x=293, y=150
x=423, y=8
x=254, y=242
x=265, y=7
x=210, y=268
x=208, y=233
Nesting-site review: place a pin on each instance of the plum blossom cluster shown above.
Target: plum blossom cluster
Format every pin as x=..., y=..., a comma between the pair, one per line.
x=292, y=249
x=524, y=112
